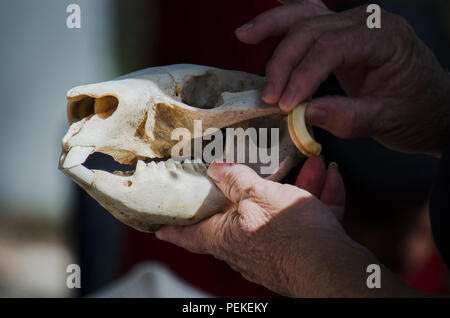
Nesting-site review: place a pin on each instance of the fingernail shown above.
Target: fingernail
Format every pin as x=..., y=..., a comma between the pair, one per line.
x=216, y=170
x=268, y=91
x=333, y=165
x=287, y=99
x=245, y=27
x=316, y=116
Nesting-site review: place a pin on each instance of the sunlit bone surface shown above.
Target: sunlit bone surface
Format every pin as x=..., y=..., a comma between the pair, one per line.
x=132, y=119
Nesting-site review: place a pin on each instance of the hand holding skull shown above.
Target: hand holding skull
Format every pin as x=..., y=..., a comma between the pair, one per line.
x=397, y=91
x=287, y=238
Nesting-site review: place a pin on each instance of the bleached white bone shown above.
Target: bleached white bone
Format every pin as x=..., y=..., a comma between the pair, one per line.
x=132, y=118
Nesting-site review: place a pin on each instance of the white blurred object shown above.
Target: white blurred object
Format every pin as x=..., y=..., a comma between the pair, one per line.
x=33, y=269
x=150, y=280
x=41, y=59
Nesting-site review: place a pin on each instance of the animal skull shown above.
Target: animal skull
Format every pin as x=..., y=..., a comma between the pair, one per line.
x=132, y=118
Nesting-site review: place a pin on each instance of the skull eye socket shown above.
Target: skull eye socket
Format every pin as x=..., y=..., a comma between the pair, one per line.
x=205, y=91
x=83, y=106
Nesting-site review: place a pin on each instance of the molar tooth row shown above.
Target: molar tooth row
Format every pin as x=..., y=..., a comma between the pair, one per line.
x=196, y=166
x=178, y=165
x=189, y=167
x=161, y=165
x=193, y=166
x=152, y=165
x=170, y=164
x=201, y=167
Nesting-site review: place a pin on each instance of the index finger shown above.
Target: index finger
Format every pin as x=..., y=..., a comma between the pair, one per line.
x=277, y=21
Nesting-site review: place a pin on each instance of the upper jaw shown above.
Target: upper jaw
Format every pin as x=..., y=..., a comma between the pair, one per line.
x=75, y=156
x=71, y=163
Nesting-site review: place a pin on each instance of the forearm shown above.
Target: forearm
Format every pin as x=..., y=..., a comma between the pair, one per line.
x=339, y=269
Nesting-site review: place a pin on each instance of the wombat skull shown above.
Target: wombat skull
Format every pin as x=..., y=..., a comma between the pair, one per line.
x=132, y=119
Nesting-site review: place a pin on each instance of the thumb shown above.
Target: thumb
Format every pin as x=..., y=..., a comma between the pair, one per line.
x=345, y=117
x=234, y=180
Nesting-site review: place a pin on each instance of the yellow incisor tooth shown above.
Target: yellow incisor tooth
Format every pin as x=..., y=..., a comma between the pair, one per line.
x=299, y=132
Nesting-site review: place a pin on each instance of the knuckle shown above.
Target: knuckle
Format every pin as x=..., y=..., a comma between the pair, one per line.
x=251, y=191
x=254, y=190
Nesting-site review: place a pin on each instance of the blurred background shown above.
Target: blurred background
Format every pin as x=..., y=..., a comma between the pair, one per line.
x=47, y=222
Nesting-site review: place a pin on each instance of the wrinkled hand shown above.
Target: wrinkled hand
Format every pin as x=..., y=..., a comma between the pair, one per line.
x=287, y=238
x=397, y=91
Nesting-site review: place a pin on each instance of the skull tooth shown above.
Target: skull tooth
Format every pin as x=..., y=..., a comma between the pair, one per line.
x=189, y=167
x=140, y=166
x=80, y=174
x=151, y=165
x=170, y=164
x=161, y=165
x=178, y=165
x=201, y=168
x=76, y=156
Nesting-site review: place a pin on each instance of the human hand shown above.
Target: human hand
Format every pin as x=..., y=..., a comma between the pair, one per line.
x=397, y=91
x=287, y=238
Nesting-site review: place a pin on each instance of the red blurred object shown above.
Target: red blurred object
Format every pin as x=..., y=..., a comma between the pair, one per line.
x=431, y=278
x=202, y=32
